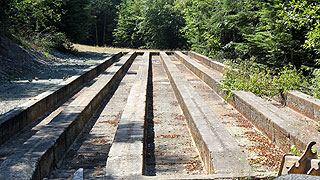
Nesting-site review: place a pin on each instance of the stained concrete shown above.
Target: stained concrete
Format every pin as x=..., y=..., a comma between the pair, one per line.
x=218, y=150
x=126, y=153
x=39, y=154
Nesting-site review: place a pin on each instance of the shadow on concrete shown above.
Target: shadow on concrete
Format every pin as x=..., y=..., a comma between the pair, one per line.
x=149, y=146
x=72, y=161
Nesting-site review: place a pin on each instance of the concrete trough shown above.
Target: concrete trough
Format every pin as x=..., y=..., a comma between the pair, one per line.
x=281, y=127
x=17, y=119
x=219, y=152
x=36, y=158
x=125, y=159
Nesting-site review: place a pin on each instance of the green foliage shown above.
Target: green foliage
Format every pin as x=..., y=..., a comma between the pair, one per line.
x=316, y=83
x=127, y=33
x=34, y=15
x=105, y=13
x=161, y=23
x=304, y=15
x=250, y=76
x=33, y=21
x=77, y=20
x=149, y=24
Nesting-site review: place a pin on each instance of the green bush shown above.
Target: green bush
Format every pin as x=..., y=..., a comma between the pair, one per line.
x=316, y=83
x=259, y=79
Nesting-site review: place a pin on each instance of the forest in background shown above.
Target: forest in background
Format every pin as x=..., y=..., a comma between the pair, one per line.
x=275, y=36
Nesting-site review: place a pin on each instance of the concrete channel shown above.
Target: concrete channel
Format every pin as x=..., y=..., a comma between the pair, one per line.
x=152, y=116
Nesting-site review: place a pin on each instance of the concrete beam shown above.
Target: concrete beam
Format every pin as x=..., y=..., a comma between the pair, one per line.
x=17, y=119
x=36, y=158
x=296, y=100
x=209, y=62
x=125, y=159
x=219, y=152
x=281, y=127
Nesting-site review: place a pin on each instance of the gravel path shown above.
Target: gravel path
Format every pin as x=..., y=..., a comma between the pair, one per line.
x=23, y=89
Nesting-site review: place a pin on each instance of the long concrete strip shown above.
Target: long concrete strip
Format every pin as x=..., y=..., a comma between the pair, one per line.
x=209, y=62
x=15, y=120
x=220, y=153
x=300, y=102
x=38, y=155
x=281, y=127
x=125, y=159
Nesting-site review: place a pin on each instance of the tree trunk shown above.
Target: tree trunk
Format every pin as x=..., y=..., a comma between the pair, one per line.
x=97, y=35
x=104, y=29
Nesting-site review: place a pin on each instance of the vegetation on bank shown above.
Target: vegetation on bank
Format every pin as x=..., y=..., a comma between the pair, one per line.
x=281, y=37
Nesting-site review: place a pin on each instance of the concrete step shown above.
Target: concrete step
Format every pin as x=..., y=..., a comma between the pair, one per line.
x=220, y=153
x=298, y=101
x=22, y=116
x=126, y=154
x=283, y=128
x=39, y=154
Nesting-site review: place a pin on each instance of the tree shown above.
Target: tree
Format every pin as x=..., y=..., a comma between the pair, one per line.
x=77, y=20
x=105, y=12
x=129, y=19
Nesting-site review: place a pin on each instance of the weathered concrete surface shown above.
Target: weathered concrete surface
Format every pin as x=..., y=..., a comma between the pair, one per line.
x=212, y=78
x=218, y=150
x=37, y=156
x=296, y=100
x=281, y=127
x=209, y=62
x=126, y=154
x=91, y=148
x=304, y=104
x=171, y=149
x=263, y=156
x=15, y=120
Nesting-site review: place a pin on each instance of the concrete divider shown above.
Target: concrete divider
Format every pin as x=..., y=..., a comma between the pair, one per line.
x=281, y=127
x=208, y=76
x=208, y=61
x=36, y=158
x=219, y=152
x=125, y=159
x=303, y=103
x=17, y=119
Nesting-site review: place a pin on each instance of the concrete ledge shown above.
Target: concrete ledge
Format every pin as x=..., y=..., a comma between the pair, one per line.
x=126, y=153
x=36, y=158
x=303, y=103
x=208, y=61
x=296, y=100
x=279, y=126
x=15, y=120
x=219, y=152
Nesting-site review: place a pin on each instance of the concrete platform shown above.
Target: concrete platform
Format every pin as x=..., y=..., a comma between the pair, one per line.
x=39, y=154
x=126, y=154
x=220, y=153
x=17, y=119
